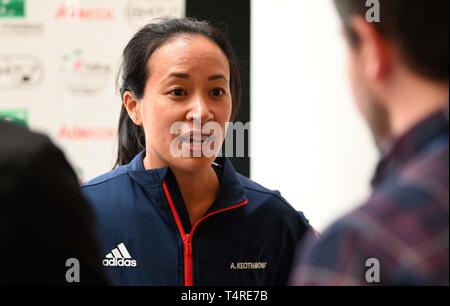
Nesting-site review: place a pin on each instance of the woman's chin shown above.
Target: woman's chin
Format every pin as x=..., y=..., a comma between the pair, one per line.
x=193, y=164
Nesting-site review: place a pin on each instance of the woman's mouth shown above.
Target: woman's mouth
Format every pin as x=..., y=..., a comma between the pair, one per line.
x=195, y=142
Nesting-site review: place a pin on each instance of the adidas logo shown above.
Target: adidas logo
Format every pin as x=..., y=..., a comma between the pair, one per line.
x=119, y=257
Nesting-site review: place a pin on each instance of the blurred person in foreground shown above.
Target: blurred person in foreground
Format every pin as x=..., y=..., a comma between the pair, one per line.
x=46, y=227
x=399, y=73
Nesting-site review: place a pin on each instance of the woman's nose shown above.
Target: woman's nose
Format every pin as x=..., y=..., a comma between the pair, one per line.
x=199, y=111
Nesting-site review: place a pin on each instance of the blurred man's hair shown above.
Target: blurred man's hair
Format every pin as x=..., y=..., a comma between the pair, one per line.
x=419, y=28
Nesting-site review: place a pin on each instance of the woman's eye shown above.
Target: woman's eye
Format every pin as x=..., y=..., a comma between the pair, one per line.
x=217, y=92
x=178, y=92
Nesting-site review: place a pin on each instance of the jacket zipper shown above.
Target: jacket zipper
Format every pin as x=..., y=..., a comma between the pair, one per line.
x=188, y=262
x=187, y=238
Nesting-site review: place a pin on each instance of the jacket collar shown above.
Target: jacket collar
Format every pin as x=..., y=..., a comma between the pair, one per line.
x=230, y=192
x=146, y=178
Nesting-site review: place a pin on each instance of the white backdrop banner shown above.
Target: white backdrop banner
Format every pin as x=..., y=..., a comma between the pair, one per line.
x=58, y=63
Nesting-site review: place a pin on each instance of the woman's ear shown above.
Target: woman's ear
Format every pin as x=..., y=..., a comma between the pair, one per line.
x=133, y=107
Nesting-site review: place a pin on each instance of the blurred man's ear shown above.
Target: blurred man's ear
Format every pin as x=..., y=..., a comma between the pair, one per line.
x=132, y=105
x=373, y=51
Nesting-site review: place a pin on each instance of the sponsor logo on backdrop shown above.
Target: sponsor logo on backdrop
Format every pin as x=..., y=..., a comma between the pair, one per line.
x=72, y=11
x=17, y=115
x=20, y=71
x=21, y=29
x=77, y=132
x=12, y=8
x=83, y=74
x=140, y=12
x=12, y=20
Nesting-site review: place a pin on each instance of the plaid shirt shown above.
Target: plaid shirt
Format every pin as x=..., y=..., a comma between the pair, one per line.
x=400, y=235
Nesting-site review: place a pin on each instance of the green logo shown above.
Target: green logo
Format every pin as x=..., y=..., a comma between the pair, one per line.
x=12, y=8
x=18, y=116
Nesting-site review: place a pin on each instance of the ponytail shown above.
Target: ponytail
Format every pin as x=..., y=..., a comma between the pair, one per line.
x=131, y=139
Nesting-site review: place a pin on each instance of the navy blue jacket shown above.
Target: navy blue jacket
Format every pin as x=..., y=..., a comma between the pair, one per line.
x=247, y=237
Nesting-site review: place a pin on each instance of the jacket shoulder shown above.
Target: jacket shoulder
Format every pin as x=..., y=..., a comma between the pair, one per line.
x=106, y=188
x=271, y=199
x=106, y=178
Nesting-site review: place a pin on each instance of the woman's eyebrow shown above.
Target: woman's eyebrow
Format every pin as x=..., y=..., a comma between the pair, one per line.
x=178, y=75
x=186, y=76
x=217, y=77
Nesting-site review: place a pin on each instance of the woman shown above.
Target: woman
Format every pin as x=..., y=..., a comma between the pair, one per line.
x=169, y=216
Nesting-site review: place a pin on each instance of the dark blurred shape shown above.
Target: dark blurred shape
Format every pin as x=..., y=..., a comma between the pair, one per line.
x=44, y=220
x=418, y=28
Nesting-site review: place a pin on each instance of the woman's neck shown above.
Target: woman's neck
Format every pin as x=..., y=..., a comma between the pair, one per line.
x=199, y=190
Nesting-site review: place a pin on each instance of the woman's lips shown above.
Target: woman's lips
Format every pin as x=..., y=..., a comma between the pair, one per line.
x=195, y=141
x=196, y=137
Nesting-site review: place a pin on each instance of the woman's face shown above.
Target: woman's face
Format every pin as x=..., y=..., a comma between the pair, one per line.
x=188, y=87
